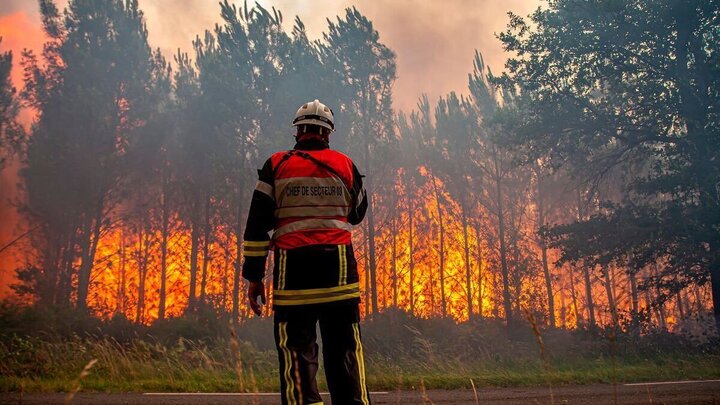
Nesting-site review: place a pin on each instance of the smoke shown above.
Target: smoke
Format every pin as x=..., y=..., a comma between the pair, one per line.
x=434, y=41
x=20, y=30
x=11, y=225
x=11, y=6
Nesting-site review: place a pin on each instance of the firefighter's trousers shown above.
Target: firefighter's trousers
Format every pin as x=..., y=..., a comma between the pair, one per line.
x=295, y=339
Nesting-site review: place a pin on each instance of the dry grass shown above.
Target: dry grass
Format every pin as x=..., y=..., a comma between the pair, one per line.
x=404, y=353
x=76, y=386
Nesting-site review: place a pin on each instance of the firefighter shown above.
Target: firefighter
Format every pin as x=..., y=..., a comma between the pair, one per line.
x=310, y=197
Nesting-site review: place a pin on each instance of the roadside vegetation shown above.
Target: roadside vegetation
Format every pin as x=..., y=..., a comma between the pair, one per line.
x=46, y=351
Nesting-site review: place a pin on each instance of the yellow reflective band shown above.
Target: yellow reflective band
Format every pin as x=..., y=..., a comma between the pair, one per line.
x=319, y=300
x=361, y=364
x=345, y=268
x=297, y=376
x=319, y=296
x=281, y=269
x=264, y=243
x=343, y=264
x=289, y=383
x=315, y=291
x=255, y=253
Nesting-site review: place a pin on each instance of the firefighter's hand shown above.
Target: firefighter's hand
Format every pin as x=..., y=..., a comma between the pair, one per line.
x=255, y=289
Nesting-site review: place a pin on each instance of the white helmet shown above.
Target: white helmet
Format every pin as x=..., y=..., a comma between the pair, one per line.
x=315, y=113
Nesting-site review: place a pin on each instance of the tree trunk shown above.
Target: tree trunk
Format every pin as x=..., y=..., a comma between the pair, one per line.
x=49, y=293
x=699, y=303
x=368, y=290
x=679, y=304
x=370, y=211
x=121, y=286
x=480, y=270
x=543, y=254
x=466, y=246
x=58, y=257
x=66, y=268
x=610, y=296
x=573, y=295
x=90, y=242
x=431, y=283
x=649, y=305
x=394, y=257
x=143, y=269
x=371, y=256
x=589, y=299
x=226, y=265
x=411, y=261
x=661, y=315
x=635, y=302
x=443, y=305
x=496, y=307
x=206, y=250
x=563, y=309
x=503, y=253
x=238, y=261
x=516, y=276
x=586, y=272
x=194, y=245
x=163, y=255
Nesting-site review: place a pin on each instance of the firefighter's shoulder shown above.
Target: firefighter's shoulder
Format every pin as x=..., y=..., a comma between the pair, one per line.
x=276, y=158
x=278, y=155
x=338, y=154
x=337, y=157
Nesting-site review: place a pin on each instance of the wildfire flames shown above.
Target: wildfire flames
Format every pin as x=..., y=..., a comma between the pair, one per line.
x=408, y=268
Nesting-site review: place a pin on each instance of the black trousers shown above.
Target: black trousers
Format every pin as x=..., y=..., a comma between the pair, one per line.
x=295, y=339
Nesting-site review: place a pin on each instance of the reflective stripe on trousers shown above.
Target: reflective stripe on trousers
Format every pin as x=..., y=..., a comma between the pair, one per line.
x=295, y=334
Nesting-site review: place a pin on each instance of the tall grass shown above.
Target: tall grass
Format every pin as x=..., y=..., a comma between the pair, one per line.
x=402, y=353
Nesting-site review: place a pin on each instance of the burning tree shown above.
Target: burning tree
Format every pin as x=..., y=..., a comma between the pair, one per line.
x=138, y=171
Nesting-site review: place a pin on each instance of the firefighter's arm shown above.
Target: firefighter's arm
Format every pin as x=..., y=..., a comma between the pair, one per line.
x=260, y=222
x=359, y=198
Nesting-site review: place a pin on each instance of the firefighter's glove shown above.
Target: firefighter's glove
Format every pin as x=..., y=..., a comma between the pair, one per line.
x=255, y=289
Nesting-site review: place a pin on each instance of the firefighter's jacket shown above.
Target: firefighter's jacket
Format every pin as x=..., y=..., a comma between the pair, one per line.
x=309, y=197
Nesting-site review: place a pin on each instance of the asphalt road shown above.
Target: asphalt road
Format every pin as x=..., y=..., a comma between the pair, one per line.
x=697, y=392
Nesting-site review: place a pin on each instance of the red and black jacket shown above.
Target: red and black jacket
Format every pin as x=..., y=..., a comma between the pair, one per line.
x=309, y=197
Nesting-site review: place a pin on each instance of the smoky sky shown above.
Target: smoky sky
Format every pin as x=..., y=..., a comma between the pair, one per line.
x=434, y=40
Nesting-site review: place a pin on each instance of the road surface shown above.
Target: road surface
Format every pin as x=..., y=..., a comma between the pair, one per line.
x=681, y=392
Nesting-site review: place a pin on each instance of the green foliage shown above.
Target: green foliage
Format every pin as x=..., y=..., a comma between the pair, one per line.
x=625, y=94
